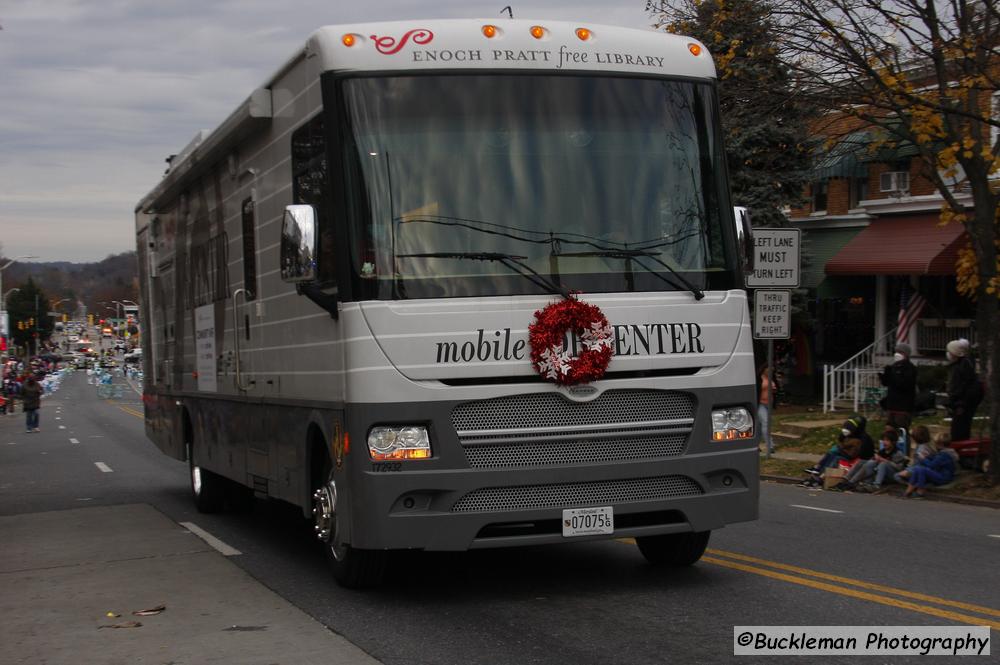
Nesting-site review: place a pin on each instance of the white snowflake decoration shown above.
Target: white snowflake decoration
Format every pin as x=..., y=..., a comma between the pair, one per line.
x=597, y=337
x=555, y=361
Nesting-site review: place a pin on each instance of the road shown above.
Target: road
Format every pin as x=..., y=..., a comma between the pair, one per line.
x=813, y=558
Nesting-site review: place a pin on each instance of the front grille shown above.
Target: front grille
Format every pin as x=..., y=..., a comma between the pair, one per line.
x=553, y=410
x=597, y=493
x=547, y=429
x=536, y=454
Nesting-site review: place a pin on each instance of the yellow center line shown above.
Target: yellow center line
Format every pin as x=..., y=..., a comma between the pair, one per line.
x=858, y=583
x=131, y=412
x=892, y=602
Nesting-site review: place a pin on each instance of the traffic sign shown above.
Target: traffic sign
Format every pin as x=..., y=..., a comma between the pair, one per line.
x=772, y=314
x=776, y=258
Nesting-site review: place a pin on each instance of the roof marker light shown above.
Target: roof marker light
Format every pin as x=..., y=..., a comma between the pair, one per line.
x=584, y=34
x=537, y=31
x=695, y=49
x=349, y=40
x=490, y=31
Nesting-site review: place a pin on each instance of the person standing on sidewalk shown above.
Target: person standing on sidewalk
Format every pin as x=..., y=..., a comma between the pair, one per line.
x=31, y=398
x=763, y=408
x=965, y=391
x=900, y=378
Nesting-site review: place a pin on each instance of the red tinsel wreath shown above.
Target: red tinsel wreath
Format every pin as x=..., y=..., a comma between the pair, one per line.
x=547, y=333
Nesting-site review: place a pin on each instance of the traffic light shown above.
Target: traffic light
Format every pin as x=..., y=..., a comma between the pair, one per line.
x=31, y=322
x=65, y=318
x=90, y=319
x=20, y=325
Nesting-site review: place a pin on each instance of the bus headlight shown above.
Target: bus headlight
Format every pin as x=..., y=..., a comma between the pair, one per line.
x=397, y=443
x=731, y=424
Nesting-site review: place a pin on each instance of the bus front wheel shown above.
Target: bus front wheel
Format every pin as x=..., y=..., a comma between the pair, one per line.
x=674, y=549
x=352, y=568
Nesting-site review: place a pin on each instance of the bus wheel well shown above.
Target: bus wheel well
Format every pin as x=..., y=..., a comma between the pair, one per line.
x=319, y=458
x=188, y=431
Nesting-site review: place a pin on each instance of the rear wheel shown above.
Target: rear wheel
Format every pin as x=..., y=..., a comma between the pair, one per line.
x=207, y=488
x=352, y=568
x=674, y=549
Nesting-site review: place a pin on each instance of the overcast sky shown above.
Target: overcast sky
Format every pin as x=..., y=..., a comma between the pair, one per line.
x=96, y=93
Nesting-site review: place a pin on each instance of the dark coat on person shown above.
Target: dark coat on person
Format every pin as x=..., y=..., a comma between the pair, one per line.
x=855, y=427
x=901, y=380
x=964, y=387
x=31, y=394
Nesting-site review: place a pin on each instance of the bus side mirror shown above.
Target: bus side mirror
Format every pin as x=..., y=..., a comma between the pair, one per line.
x=744, y=238
x=298, y=244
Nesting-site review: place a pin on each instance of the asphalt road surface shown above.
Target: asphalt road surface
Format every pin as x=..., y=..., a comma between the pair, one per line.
x=813, y=558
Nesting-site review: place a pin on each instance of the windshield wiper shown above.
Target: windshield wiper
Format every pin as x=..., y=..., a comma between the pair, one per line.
x=512, y=261
x=633, y=255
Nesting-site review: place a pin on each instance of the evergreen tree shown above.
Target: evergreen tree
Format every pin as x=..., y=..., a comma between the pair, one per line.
x=28, y=310
x=764, y=121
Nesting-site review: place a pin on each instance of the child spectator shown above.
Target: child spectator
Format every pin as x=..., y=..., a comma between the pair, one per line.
x=853, y=443
x=931, y=470
x=888, y=461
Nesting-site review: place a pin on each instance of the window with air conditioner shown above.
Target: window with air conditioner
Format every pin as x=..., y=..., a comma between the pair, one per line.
x=894, y=181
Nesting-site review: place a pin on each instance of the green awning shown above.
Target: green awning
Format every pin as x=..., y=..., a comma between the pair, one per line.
x=845, y=159
x=821, y=245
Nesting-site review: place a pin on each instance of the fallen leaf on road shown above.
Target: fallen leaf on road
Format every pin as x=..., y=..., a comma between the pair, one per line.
x=123, y=624
x=113, y=615
x=150, y=612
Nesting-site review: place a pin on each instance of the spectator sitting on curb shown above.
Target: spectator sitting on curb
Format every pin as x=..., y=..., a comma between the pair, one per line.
x=884, y=465
x=845, y=449
x=933, y=470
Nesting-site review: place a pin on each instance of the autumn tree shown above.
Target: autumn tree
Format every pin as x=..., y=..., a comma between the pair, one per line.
x=764, y=118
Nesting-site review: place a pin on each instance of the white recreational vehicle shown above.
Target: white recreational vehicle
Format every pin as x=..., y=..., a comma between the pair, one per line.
x=457, y=284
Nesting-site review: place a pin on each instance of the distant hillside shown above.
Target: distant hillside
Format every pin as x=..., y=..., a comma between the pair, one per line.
x=83, y=284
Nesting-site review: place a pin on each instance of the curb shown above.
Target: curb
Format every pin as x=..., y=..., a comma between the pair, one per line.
x=947, y=498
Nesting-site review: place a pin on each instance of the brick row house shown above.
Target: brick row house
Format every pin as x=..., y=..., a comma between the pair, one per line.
x=873, y=241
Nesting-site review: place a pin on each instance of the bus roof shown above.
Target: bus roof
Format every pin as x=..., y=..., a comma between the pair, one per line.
x=446, y=44
x=514, y=44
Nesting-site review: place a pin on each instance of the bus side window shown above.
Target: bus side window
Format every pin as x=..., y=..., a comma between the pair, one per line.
x=249, y=248
x=311, y=186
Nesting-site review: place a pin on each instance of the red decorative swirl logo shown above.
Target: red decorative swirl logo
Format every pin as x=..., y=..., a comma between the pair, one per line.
x=389, y=45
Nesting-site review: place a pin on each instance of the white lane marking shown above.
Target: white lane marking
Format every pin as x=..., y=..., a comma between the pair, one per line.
x=994, y=535
x=62, y=427
x=103, y=467
x=12, y=443
x=58, y=418
x=86, y=498
x=212, y=541
x=74, y=441
x=825, y=510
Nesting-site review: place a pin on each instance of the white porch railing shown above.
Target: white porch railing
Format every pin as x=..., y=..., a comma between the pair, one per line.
x=856, y=380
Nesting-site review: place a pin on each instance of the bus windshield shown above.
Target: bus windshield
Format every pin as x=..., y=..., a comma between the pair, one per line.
x=594, y=184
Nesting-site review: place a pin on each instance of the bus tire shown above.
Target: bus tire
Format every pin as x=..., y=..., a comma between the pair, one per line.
x=674, y=549
x=353, y=568
x=207, y=488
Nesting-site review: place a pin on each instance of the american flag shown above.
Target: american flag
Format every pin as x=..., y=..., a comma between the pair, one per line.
x=911, y=304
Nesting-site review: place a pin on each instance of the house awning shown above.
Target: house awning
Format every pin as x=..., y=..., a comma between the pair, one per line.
x=909, y=245
x=845, y=159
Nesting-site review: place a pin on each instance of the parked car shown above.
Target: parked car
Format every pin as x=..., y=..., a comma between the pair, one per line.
x=134, y=356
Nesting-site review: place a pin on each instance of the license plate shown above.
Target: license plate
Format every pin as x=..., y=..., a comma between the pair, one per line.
x=588, y=521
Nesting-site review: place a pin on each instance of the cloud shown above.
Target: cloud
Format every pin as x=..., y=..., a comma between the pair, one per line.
x=96, y=93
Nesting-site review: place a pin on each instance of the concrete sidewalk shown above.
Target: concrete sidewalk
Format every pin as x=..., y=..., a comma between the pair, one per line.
x=63, y=572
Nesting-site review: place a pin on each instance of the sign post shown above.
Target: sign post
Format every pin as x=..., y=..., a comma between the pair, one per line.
x=777, y=263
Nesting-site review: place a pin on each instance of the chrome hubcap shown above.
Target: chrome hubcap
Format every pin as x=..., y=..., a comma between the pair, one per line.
x=196, y=479
x=325, y=510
